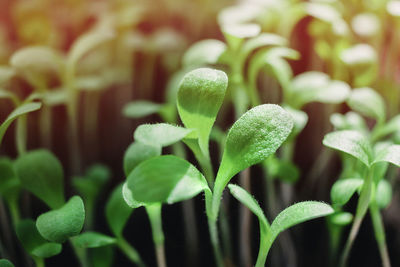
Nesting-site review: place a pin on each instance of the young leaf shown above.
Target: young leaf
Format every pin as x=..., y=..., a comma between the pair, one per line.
x=139, y=109
x=300, y=119
x=298, y=213
x=383, y=194
x=262, y=40
x=129, y=199
x=102, y=256
x=21, y=110
x=33, y=242
x=200, y=97
x=6, y=73
x=6, y=263
x=165, y=179
x=60, y=224
x=91, y=184
x=138, y=152
x=351, y=142
x=204, y=52
x=390, y=154
x=9, y=183
x=393, y=125
x=349, y=121
x=92, y=240
x=41, y=173
x=284, y=170
x=117, y=211
x=368, y=103
x=162, y=134
x=341, y=218
x=359, y=54
x=344, y=189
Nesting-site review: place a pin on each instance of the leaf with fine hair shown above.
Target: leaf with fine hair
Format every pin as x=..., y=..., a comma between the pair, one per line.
x=19, y=111
x=389, y=154
x=60, y=224
x=162, y=134
x=204, y=52
x=200, y=96
x=117, y=211
x=165, y=179
x=33, y=242
x=92, y=240
x=344, y=189
x=351, y=142
x=298, y=213
x=341, y=218
x=141, y=108
x=138, y=152
x=41, y=173
x=368, y=103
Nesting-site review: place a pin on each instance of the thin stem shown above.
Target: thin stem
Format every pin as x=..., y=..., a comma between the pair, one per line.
x=154, y=213
x=39, y=262
x=130, y=252
x=20, y=135
x=265, y=245
x=45, y=126
x=245, y=223
x=379, y=233
x=80, y=255
x=212, y=226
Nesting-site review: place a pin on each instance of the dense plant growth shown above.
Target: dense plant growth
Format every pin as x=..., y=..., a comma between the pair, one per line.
x=283, y=109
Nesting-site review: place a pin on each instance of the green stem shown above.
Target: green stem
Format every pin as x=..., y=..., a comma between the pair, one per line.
x=212, y=226
x=20, y=134
x=154, y=213
x=130, y=252
x=81, y=255
x=245, y=223
x=265, y=245
x=39, y=262
x=362, y=207
x=379, y=233
x=45, y=126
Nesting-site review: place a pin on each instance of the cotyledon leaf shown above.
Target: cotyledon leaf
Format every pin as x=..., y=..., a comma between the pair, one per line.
x=351, y=142
x=60, y=224
x=204, y=52
x=383, y=194
x=200, y=97
x=141, y=108
x=138, y=152
x=344, y=189
x=368, y=103
x=389, y=154
x=165, y=179
x=92, y=240
x=162, y=134
x=21, y=110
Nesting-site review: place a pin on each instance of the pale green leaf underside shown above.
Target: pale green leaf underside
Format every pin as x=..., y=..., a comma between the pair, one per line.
x=92, y=240
x=47, y=250
x=21, y=110
x=351, y=142
x=162, y=134
x=368, y=103
x=165, y=179
x=200, y=97
x=204, y=52
x=390, y=154
x=349, y=121
x=341, y=218
x=383, y=194
x=298, y=213
x=41, y=173
x=344, y=189
x=60, y=224
x=139, y=109
x=138, y=152
x=129, y=199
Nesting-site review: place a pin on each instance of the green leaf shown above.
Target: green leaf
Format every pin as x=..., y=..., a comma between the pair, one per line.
x=90, y=185
x=162, y=134
x=33, y=242
x=9, y=182
x=129, y=199
x=200, y=97
x=165, y=179
x=60, y=224
x=92, y=240
x=285, y=171
x=344, y=189
x=341, y=218
x=102, y=256
x=390, y=154
x=21, y=110
x=262, y=40
x=117, y=211
x=6, y=263
x=351, y=142
x=141, y=108
x=253, y=137
x=368, y=103
x=392, y=126
x=349, y=121
x=246, y=199
x=298, y=213
x=300, y=119
x=138, y=152
x=383, y=194
x=41, y=173
x=359, y=54
x=204, y=52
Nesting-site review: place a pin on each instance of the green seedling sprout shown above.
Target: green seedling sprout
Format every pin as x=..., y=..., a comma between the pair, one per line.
x=6, y=263
x=291, y=216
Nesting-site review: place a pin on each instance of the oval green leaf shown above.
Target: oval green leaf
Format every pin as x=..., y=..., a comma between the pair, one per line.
x=162, y=134
x=204, y=52
x=139, y=109
x=368, y=103
x=117, y=211
x=389, y=154
x=138, y=152
x=384, y=193
x=92, y=240
x=344, y=189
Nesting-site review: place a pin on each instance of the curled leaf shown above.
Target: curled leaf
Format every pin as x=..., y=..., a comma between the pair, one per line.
x=344, y=189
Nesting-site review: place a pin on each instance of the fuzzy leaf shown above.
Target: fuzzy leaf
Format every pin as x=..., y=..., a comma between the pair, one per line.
x=341, y=218
x=92, y=240
x=162, y=134
x=21, y=110
x=138, y=152
x=300, y=119
x=351, y=142
x=200, y=97
x=368, y=103
x=165, y=179
x=298, y=213
x=141, y=108
x=349, y=121
x=383, y=194
x=393, y=125
x=204, y=52
x=253, y=137
x=60, y=224
x=41, y=173
x=389, y=154
x=117, y=211
x=344, y=189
